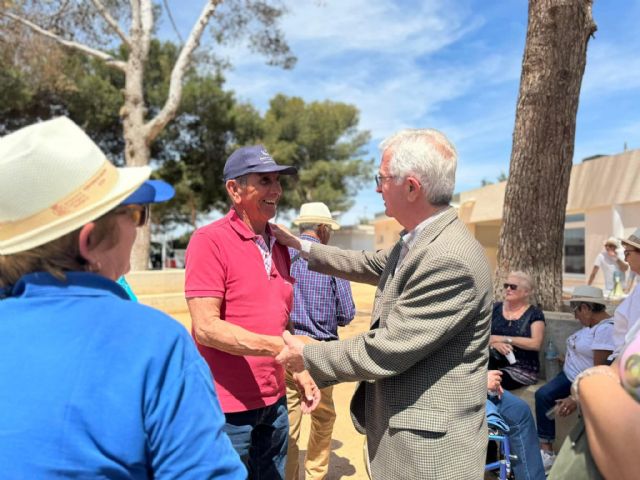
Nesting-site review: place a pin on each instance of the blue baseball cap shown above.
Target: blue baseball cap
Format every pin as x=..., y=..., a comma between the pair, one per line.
x=151, y=191
x=253, y=159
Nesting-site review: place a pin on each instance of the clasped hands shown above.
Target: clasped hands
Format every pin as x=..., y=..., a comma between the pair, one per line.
x=290, y=357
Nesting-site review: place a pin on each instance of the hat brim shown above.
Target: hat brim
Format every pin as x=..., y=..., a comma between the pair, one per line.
x=632, y=243
x=281, y=169
x=599, y=301
x=151, y=191
x=129, y=179
x=323, y=220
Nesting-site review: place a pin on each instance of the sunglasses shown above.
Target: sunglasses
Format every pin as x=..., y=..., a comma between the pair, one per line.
x=575, y=306
x=510, y=286
x=629, y=252
x=139, y=214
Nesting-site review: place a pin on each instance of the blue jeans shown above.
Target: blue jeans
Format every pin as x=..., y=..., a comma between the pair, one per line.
x=522, y=436
x=555, y=389
x=260, y=437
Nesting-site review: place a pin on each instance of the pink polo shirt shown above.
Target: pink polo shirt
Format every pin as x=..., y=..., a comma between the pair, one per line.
x=223, y=261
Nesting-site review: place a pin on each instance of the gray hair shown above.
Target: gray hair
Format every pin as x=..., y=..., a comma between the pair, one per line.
x=308, y=226
x=428, y=155
x=525, y=277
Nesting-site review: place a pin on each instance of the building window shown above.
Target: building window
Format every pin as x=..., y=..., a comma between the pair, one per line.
x=574, y=250
x=574, y=217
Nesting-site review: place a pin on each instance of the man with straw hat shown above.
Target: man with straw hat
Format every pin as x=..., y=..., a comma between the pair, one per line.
x=321, y=303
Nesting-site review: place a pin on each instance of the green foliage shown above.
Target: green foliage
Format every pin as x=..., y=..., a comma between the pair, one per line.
x=322, y=140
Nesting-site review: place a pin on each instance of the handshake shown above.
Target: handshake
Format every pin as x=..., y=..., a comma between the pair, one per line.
x=290, y=357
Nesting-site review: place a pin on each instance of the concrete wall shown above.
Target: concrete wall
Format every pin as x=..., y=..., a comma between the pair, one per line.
x=164, y=290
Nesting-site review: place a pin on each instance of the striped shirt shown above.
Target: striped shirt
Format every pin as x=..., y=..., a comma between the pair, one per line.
x=321, y=302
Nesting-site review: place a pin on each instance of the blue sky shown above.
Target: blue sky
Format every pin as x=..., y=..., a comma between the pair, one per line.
x=453, y=65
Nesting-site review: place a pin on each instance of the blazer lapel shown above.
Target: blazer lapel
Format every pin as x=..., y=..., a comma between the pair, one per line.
x=385, y=279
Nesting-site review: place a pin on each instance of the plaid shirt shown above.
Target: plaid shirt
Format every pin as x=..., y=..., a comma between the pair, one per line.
x=321, y=302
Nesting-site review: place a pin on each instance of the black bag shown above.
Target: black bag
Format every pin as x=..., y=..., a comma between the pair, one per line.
x=496, y=360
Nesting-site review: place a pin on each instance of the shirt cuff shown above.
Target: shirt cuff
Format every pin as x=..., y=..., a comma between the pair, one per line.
x=305, y=246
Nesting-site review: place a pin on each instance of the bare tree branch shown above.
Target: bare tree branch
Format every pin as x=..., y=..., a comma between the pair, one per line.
x=146, y=21
x=111, y=21
x=108, y=59
x=173, y=23
x=155, y=126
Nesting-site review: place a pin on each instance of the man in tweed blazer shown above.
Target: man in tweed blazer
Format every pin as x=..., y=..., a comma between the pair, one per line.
x=422, y=366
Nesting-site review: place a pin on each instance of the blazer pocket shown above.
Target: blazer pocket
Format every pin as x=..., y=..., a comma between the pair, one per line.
x=425, y=419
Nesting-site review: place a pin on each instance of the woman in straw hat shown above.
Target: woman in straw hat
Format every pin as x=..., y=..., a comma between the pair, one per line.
x=589, y=346
x=93, y=385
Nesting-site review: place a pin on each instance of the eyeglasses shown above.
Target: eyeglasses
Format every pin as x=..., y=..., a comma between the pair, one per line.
x=138, y=213
x=510, y=286
x=381, y=178
x=575, y=306
x=629, y=252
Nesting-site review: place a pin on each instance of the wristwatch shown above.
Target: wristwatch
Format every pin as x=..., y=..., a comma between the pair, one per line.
x=508, y=340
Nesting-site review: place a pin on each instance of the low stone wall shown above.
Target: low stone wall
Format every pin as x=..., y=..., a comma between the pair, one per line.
x=162, y=289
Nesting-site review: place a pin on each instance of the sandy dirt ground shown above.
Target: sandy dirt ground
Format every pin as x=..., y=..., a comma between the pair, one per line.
x=346, y=455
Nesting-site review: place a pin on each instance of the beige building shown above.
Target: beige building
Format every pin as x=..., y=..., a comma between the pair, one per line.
x=353, y=237
x=603, y=201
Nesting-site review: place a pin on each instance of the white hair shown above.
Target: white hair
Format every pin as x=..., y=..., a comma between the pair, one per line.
x=428, y=155
x=525, y=277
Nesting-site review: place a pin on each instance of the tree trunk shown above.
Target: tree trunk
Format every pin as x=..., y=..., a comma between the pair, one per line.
x=532, y=233
x=137, y=150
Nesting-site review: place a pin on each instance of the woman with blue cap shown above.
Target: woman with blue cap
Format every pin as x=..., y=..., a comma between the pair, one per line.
x=93, y=385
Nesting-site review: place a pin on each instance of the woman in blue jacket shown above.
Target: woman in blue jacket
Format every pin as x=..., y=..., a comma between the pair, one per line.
x=93, y=385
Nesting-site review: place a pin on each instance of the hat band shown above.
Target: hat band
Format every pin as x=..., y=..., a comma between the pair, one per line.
x=90, y=192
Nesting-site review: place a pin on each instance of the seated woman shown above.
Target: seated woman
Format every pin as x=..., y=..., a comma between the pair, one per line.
x=609, y=399
x=589, y=346
x=93, y=384
x=522, y=429
x=517, y=327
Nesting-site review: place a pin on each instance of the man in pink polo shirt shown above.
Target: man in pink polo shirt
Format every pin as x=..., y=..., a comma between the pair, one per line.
x=240, y=294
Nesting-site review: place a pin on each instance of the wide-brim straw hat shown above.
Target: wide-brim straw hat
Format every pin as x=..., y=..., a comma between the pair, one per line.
x=53, y=180
x=316, y=212
x=633, y=239
x=587, y=294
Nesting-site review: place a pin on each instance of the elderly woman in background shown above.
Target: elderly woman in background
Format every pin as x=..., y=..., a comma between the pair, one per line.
x=517, y=328
x=589, y=346
x=609, y=400
x=93, y=385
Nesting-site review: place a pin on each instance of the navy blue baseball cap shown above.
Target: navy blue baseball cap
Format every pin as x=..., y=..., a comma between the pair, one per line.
x=151, y=191
x=253, y=159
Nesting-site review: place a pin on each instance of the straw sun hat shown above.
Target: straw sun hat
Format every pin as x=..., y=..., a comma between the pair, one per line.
x=54, y=179
x=588, y=294
x=633, y=239
x=316, y=212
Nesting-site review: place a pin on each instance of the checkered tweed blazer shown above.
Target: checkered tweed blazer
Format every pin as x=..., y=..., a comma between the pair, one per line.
x=422, y=366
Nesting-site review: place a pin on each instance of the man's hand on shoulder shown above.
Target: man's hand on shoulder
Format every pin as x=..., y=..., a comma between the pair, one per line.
x=284, y=236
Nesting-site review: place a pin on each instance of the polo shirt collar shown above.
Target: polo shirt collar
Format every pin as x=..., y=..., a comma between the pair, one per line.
x=242, y=228
x=79, y=284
